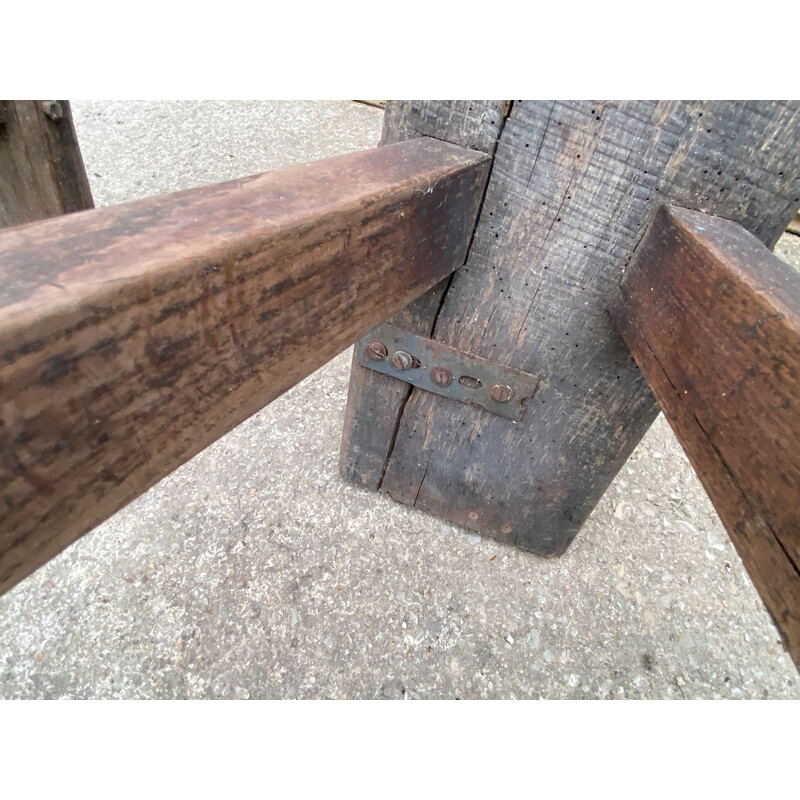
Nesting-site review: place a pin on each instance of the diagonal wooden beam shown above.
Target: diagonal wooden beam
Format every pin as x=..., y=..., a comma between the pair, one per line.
x=132, y=337
x=713, y=320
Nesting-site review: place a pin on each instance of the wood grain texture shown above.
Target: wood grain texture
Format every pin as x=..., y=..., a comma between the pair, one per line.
x=572, y=189
x=41, y=169
x=374, y=401
x=132, y=337
x=713, y=320
x=475, y=124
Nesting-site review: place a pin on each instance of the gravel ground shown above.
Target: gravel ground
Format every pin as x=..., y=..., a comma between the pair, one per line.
x=254, y=571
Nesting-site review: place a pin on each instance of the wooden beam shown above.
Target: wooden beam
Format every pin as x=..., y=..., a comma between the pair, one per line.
x=41, y=169
x=573, y=187
x=713, y=320
x=131, y=337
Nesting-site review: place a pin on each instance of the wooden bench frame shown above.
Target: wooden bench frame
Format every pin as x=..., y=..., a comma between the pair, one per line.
x=132, y=337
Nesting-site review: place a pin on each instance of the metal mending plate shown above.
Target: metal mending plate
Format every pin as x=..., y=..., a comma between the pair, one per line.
x=441, y=369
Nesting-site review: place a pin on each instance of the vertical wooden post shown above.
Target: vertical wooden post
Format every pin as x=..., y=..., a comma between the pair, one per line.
x=41, y=169
x=572, y=190
x=368, y=437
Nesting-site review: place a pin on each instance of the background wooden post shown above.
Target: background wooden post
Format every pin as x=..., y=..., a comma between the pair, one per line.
x=41, y=169
x=572, y=190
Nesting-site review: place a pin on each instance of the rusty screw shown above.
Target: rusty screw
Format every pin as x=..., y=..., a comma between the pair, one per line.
x=402, y=360
x=377, y=351
x=53, y=110
x=441, y=376
x=500, y=393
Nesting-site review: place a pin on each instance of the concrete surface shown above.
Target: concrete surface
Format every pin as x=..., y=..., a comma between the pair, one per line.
x=254, y=571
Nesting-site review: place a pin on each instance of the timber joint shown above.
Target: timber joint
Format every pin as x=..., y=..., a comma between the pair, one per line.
x=446, y=371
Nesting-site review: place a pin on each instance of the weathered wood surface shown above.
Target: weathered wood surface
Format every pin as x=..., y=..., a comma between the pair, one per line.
x=572, y=189
x=41, y=169
x=132, y=337
x=713, y=320
x=375, y=401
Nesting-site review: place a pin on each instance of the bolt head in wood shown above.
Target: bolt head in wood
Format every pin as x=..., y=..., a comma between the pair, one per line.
x=53, y=110
x=436, y=367
x=376, y=351
x=402, y=360
x=500, y=393
x=441, y=376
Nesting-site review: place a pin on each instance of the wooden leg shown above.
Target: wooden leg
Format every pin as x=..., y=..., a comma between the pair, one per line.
x=375, y=402
x=572, y=190
x=41, y=169
x=713, y=319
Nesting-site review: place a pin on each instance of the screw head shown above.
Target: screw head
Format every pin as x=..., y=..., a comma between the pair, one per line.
x=376, y=351
x=53, y=110
x=441, y=376
x=500, y=393
x=402, y=360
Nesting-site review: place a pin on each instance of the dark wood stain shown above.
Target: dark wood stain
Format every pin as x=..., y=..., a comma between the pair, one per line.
x=713, y=320
x=132, y=337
